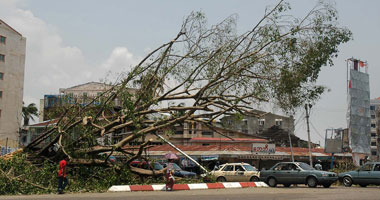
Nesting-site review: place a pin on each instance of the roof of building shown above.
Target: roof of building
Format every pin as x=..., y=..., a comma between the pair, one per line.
x=259, y=113
x=2, y=22
x=44, y=123
x=92, y=82
x=234, y=150
x=205, y=139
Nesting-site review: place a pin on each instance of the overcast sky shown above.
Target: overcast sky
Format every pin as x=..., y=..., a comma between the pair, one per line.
x=73, y=42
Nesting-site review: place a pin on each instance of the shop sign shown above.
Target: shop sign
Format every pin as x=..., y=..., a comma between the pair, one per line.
x=263, y=148
x=262, y=157
x=209, y=158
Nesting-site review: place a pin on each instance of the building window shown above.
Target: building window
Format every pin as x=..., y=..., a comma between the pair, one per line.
x=205, y=144
x=207, y=133
x=2, y=57
x=373, y=134
x=373, y=125
x=245, y=122
x=373, y=143
x=278, y=122
x=373, y=116
x=2, y=39
x=1, y=76
x=179, y=132
x=261, y=122
x=374, y=153
x=1, y=94
x=85, y=94
x=372, y=107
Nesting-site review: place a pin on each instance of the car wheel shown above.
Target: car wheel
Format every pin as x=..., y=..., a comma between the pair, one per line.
x=347, y=181
x=272, y=182
x=221, y=179
x=287, y=185
x=326, y=185
x=312, y=182
x=363, y=185
x=254, y=179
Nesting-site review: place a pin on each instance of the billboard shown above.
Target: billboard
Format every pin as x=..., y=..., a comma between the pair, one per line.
x=263, y=148
x=334, y=140
x=358, y=113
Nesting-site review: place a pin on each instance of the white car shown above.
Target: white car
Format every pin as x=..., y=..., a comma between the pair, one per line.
x=236, y=172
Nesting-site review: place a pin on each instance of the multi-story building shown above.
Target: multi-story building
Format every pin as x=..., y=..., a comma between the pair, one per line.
x=12, y=67
x=375, y=129
x=82, y=94
x=259, y=124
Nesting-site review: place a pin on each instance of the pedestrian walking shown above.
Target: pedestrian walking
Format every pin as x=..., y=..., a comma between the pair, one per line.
x=318, y=166
x=62, y=179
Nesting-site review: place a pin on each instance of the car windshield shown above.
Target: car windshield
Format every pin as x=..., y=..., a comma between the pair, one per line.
x=305, y=166
x=157, y=166
x=249, y=168
x=176, y=167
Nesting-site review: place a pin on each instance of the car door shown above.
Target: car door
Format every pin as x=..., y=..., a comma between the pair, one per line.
x=376, y=174
x=295, y=175
x=228, y=172
x=364, y=174
x=279, y=172
x=239, y=174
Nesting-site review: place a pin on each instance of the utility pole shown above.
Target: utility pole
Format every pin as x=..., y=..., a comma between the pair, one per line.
x=290, y=140
x=307, y=108
x=291, y=146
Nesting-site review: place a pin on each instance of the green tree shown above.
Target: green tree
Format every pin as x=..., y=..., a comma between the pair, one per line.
x=28, y=112
x=213, y=69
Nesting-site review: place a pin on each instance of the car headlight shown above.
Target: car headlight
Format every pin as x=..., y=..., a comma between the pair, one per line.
x=325, y=175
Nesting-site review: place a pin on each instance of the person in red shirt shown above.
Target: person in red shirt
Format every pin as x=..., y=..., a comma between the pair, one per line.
x=170, y=175
x=62, y=179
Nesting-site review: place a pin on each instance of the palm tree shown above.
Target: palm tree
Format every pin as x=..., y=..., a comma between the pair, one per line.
x=28, y=112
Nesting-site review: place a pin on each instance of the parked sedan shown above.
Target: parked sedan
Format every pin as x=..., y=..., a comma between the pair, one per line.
x=288, y=173
x=178, y=171
x=236, y=172
x=365, y=175
x=145, y=165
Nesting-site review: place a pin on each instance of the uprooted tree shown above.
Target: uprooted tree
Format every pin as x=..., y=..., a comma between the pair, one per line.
x=214, y=70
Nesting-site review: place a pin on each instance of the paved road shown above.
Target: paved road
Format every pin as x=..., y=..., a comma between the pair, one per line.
x=280, y=193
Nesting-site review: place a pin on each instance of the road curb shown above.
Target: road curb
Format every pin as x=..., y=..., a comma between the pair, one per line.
x=193, y=186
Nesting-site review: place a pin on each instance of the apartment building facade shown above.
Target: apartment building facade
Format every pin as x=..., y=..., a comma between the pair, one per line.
x=375, y=129
x=12, y=68
x=259, y=124
x=82, y=94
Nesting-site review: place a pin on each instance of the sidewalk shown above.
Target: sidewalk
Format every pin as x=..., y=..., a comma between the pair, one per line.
x=193, y=186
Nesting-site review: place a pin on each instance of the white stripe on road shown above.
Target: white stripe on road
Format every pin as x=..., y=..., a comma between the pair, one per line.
x=261, y=184
x=232, y=185
x=158, y=187
x=120, y=188
x=198, y=186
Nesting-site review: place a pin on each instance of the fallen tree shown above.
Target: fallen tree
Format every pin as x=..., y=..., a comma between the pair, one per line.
x=200, y=75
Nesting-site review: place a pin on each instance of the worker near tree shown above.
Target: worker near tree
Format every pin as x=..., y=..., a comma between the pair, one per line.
x=62, y=179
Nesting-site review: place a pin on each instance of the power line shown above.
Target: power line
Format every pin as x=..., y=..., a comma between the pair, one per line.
x=312, y=125
x=299, y=119
x=302, y=125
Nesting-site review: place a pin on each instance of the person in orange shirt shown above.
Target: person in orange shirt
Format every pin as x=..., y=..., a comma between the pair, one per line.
x=62, y=179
